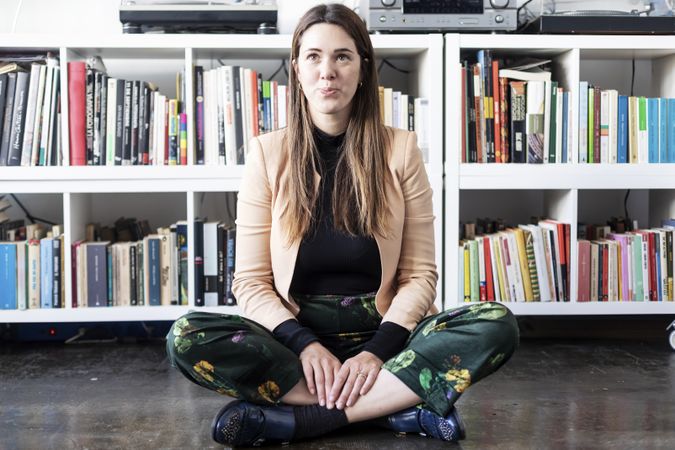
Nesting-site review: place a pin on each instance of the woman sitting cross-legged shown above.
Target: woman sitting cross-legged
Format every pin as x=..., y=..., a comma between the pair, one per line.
x=335, y=270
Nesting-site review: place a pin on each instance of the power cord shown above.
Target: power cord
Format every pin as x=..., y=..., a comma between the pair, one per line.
x=388, y=63
x=29, y=216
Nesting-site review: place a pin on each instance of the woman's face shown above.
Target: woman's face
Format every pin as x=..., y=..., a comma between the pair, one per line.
x=328, y=68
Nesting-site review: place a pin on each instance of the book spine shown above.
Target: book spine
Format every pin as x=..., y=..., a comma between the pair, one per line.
x=518, y=117
x=135, y=102
x=199, y=114
x=181, y=232
x=199, y=262
x=6, y=129
x=583, y=121
x=126, y=123
x=8, y=279
x=18, y=119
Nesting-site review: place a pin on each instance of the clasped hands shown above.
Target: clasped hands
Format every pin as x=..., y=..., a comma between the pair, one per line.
x=338, y=384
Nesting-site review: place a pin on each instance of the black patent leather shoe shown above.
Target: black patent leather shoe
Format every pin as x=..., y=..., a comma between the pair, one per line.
x=244, y=424
x=427, y=423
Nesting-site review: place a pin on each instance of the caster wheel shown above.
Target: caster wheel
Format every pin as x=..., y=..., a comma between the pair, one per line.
x=671, y=340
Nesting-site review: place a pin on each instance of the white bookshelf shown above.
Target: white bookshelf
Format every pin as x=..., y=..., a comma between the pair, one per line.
x=77, y=195
x=572, y=192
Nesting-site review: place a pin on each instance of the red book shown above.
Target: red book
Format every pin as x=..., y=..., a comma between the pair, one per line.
x=497, y=114
x=77, y=80
x=504, y=119
x=254, y=104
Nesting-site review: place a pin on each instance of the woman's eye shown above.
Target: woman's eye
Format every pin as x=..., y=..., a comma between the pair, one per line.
x=343, y=58
x=312, y=57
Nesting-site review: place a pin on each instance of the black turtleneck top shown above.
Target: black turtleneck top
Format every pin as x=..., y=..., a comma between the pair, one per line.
x=331, y=262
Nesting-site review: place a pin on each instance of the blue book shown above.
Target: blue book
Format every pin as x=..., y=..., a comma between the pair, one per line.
x=671, y=130
x=46, y=272
x=8, y=276
x=663, y=130
x=653, y=129
x=153, y=272
x=583, y=121
x=622, y=130
x=565, y=125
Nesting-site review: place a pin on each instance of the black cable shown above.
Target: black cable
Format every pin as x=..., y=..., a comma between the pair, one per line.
x=384, y=61
x=625, y=211
x=282, y=66
x=29, y=216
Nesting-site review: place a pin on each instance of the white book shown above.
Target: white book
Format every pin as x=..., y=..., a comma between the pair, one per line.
x=246, y=112
x=663, y=249
x=509, y=271
x=604, y=127
x=495, y=270
x=570, y=126
x=643, y=132
x=21, y=294
x=421, y=107
x=282, y=110
x=583, y=121
x=525, y=75
x=611, y=269
x=515, y=261
x=403, y=112
x=111, y=122
x=230, y=132
x=547, y=120
x=395, y=109
x=535, y=117
x=645, y=268
x=388, y=106
x=31, y=107
x=613, y=112
x=46, y=113
x=219, y=156
x=540, y=261
x=559, y=125
x=557, y=270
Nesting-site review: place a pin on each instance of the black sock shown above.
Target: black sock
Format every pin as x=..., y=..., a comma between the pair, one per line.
x=315, y=420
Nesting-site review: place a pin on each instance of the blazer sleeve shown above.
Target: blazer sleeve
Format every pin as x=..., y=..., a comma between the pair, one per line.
x=253, y=284
x=416, y=273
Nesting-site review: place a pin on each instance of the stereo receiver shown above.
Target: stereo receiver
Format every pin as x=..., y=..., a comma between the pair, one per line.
x=442, y=15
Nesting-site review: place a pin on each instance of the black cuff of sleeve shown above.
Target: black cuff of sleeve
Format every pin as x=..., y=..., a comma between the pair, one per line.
x=388, y=340
x=294, y=336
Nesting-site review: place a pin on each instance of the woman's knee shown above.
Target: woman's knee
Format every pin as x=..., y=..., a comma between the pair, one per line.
x=504, y=332
x=178, y=339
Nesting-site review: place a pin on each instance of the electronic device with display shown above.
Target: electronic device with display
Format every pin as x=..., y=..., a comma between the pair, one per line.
x=442, y=15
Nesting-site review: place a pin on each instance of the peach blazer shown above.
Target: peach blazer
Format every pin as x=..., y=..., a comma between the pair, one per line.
x=265, y=263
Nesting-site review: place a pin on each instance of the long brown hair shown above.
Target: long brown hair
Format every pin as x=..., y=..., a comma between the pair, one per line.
x=361, y=169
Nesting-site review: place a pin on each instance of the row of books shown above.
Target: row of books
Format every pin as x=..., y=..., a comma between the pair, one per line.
x=30, y=112
x=617, y=128
x=631, y=266
x=150, y=271
x=234, y=104
x=527, y=263
x=516, y=115
x=123, y=122
x=32, y=271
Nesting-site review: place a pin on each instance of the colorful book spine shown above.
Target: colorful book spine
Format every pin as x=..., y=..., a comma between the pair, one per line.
x=8, y=287
x=622, y=130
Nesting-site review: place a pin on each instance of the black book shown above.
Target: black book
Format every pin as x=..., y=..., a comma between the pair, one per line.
x=222, y=244
x=126, y=124
x=3, y=96
x=53, y=146
x=103, y=121
x=199, y=262
x=471, y=119
x=221, y=122
x=199, y=114
x=231, y=252
x=144, y=124
x=133, y=271
x=96, y=149
x=518, y=115
x=6, y=129
x=90, y=87
x=261, y=108
x=238, y=118
x=119, y=122
x=135, y=102
x=18, y=119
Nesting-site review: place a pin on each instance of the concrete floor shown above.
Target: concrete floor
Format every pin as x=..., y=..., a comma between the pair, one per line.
x=553, y=394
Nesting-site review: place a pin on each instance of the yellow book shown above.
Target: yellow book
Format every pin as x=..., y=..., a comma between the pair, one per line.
x=522, y=260
x=496, y=249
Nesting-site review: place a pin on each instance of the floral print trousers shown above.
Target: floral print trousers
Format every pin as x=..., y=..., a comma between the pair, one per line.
x=443, y=356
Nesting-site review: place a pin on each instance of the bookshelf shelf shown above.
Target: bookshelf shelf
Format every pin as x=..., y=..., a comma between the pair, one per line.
x=571, y=192
x=163, y=194
x=104, y=314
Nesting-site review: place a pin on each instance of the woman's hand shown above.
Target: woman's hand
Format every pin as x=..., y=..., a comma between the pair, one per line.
x=356, y=377
x=320, y=367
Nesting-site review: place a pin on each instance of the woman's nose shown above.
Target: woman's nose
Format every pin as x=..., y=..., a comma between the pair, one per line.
x=327, y=69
